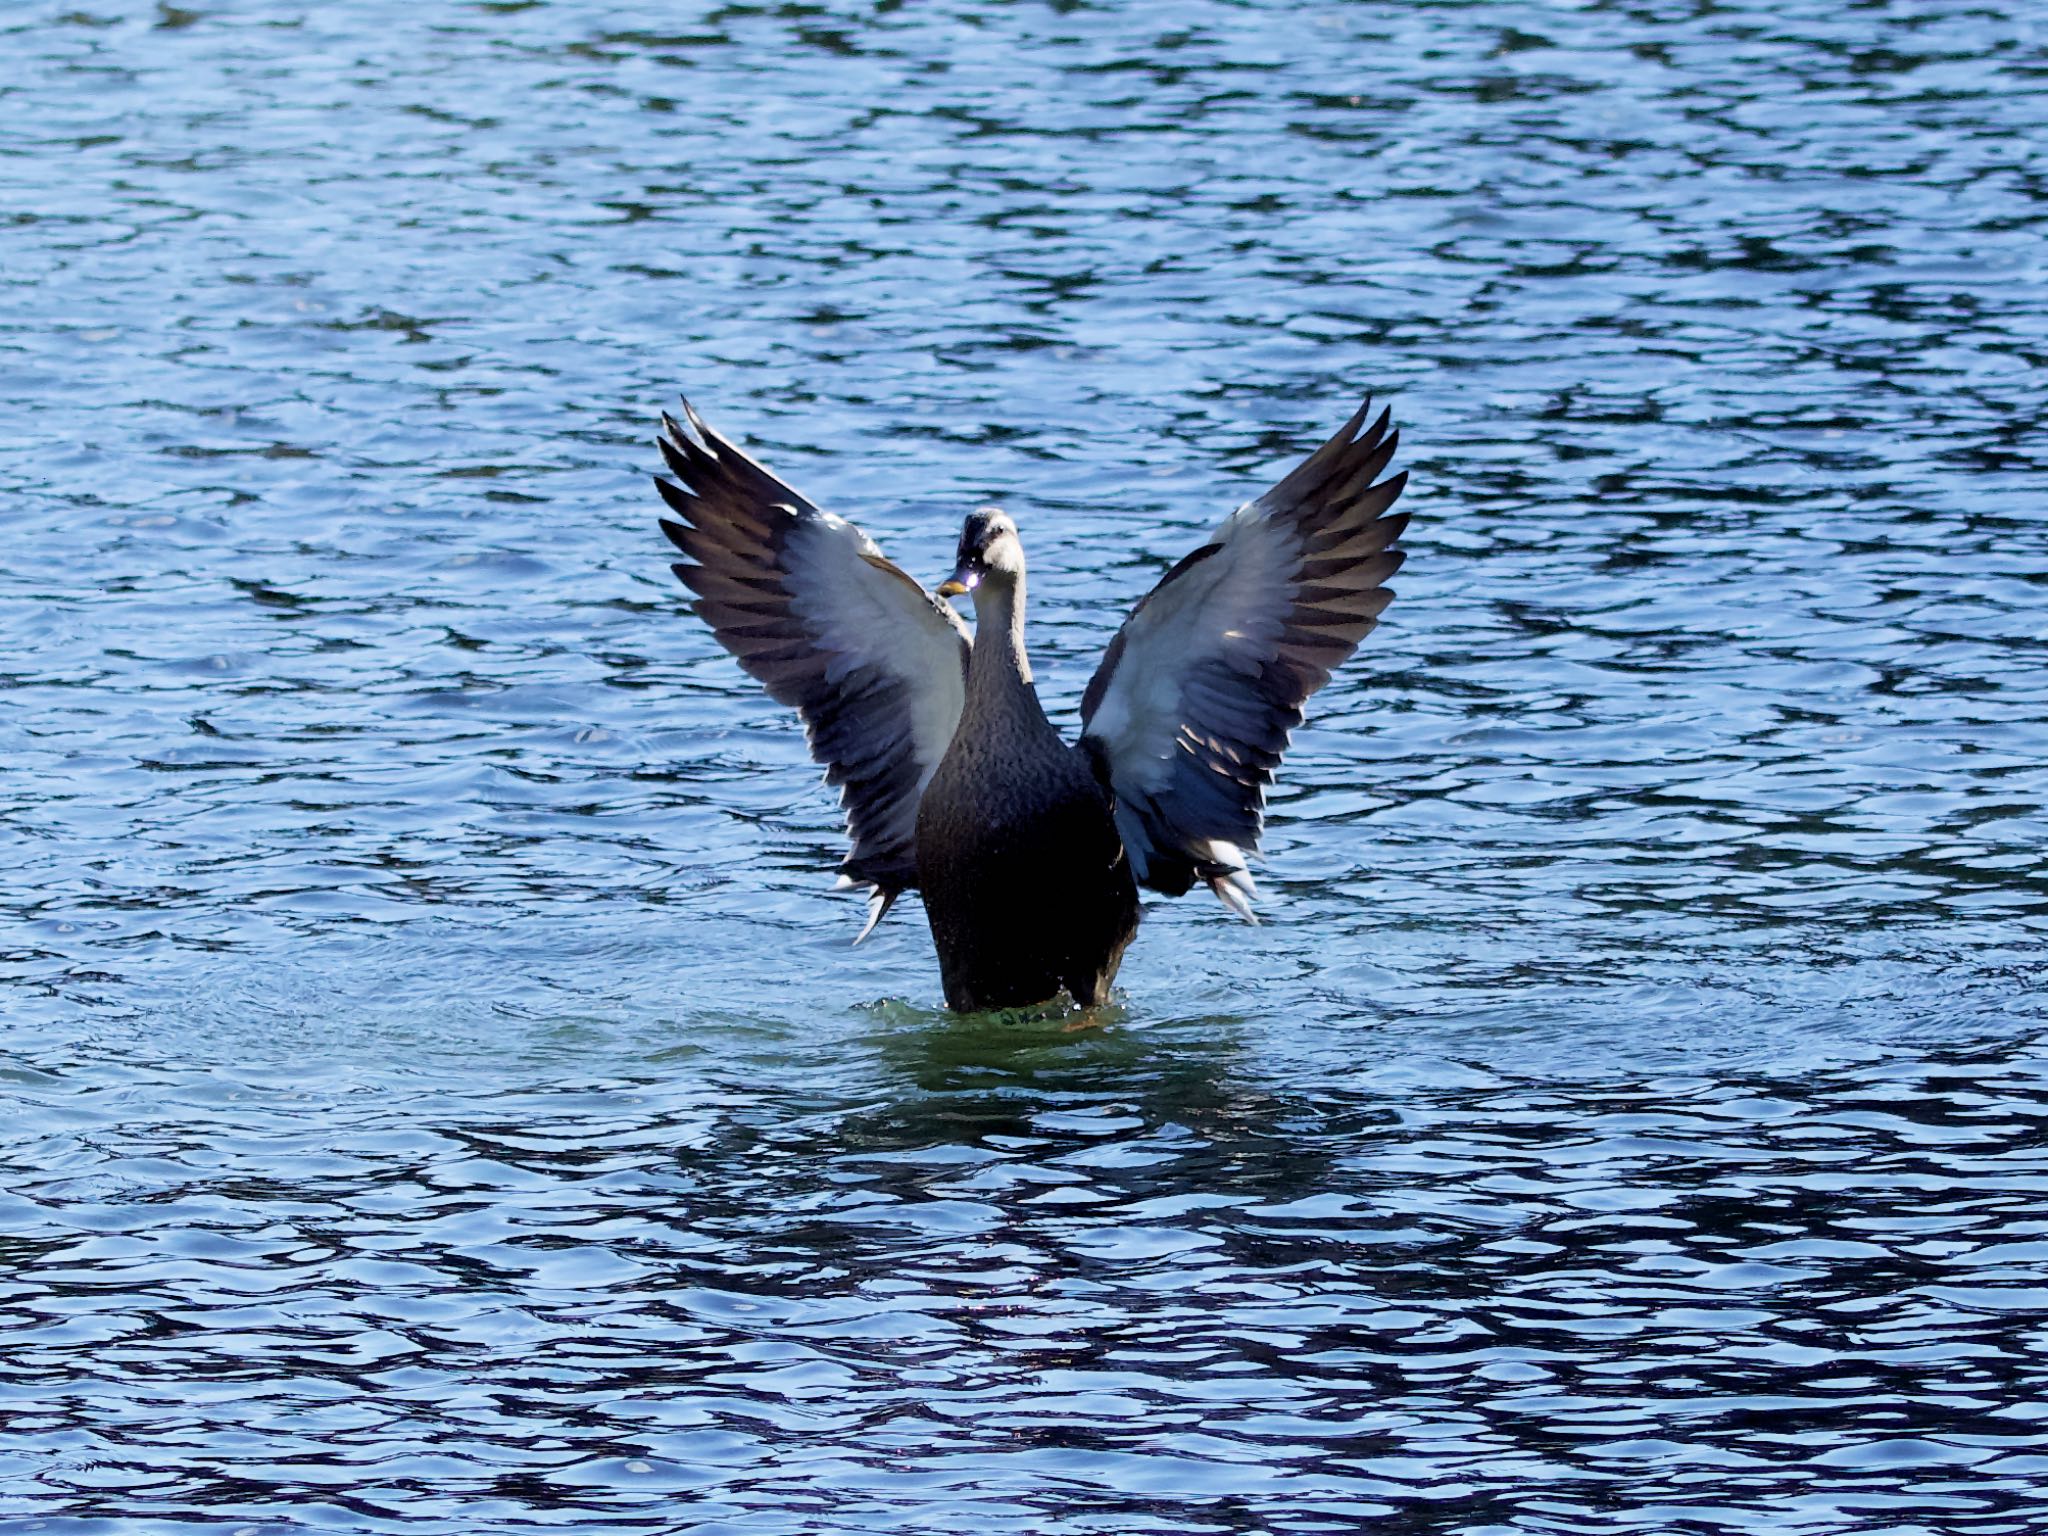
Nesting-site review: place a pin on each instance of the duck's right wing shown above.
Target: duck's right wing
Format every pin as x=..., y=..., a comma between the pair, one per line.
x=874, y=663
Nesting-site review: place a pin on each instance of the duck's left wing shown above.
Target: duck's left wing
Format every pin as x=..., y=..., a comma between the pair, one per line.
x=874, y=663
x=1194, y=702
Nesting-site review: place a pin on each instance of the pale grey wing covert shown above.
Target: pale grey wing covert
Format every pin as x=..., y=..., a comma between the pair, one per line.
x=874, y=663
x=1196, y=698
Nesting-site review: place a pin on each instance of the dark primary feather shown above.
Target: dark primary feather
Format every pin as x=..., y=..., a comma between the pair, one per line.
x=805, y=601
x=1200, y=690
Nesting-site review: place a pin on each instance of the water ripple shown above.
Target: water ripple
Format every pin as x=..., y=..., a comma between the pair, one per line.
x=435, y=1089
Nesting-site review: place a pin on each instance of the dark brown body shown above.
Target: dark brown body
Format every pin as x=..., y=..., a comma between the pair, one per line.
x=1024, y=877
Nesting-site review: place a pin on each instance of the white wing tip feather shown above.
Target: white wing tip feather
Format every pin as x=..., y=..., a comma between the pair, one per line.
x=1234, y=887
x=1236, y=891
x=879, y=902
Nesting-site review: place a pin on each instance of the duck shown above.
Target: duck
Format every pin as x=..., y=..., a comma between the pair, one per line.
x=1029, y=850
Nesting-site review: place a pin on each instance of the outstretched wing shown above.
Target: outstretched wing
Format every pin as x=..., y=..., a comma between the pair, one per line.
x=874, y=663
x=1200, y=690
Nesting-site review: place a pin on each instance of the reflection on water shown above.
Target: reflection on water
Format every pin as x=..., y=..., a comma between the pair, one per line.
x=1010, y=1272
x=436, y=1091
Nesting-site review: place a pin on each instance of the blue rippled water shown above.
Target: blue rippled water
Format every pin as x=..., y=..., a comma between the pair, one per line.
x=436, y=1093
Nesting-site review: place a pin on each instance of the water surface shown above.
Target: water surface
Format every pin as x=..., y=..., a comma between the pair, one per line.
x=436, y=1093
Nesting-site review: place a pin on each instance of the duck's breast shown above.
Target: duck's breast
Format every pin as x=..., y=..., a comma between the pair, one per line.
x=1024, y=879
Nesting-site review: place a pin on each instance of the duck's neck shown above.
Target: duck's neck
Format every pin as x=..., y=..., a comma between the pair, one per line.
x=998, y=671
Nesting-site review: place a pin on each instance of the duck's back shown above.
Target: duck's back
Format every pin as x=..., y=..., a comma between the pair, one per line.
x=1024, y=877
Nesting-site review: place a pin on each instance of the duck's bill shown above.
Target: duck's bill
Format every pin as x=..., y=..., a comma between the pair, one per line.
x=960, y=583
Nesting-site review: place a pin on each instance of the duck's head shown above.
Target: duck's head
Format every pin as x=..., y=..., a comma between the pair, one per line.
x=989, y=547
